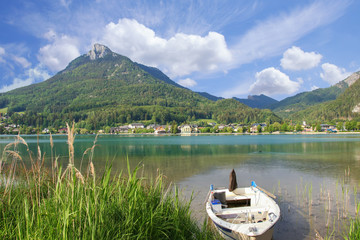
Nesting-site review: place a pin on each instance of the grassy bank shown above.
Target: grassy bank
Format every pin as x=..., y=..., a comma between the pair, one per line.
x=39, y=203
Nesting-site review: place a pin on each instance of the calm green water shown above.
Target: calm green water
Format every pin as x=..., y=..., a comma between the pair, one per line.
x=307, y=173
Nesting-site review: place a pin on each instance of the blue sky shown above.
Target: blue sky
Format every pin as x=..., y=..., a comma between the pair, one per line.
x=226, y=48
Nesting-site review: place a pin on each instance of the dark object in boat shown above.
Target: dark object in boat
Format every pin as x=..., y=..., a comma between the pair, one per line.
x=220, y=196
x=232, y=180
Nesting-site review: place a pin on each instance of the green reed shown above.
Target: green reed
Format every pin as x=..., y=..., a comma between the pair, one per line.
x=38, y=203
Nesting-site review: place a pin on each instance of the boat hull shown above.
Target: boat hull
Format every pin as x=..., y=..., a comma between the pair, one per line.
x=248, y=214
x=231, y=235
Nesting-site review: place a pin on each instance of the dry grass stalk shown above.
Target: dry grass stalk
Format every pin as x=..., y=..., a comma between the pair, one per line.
x=71, y=167
x=92, y=169
x=318, y=236
x=51, y=141
x=79, y=176
x=71, y=139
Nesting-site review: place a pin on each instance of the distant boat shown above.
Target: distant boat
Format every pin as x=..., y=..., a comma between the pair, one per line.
x=244, y=213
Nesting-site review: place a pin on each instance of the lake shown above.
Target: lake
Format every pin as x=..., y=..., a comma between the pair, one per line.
x=315, y=177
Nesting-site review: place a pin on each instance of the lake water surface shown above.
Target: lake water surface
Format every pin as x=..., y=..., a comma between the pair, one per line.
x=315, y=177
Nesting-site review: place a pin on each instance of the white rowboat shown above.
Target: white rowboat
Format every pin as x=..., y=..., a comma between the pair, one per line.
x=244, y=213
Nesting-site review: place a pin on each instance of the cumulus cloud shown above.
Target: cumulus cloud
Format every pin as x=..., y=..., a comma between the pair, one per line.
x=33, y=75
x=333, y=74
x=314, y=88
x=22, y=61
x=59, y=52
x=187, y=82
x=271, y=81
x=180, y=55
x=296, y=59
x=270, y=37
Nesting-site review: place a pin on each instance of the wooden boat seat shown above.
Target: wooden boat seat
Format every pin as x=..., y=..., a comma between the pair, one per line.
x=246, y=216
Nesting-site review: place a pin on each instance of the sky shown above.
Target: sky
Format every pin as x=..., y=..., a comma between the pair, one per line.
x=226, y=48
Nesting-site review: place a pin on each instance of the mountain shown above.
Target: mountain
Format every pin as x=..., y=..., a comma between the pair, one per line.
x=156, y=73
x=258, y=101
x=97, y=79
x=345, y=107
x=209, y=96
x=303, y=100
x=105, y=88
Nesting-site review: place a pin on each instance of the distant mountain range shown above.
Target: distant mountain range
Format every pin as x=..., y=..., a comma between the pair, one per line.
x=105, y=88
x=258, y=101
x=301, y=101
x=346, y=106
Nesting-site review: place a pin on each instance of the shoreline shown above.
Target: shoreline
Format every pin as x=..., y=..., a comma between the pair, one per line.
x=197, y=134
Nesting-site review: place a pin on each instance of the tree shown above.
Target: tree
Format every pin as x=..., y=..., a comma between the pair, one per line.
x=348, y=126
x=276, y=126
x=244, y=129
x=259, y=128
x=298, y=128
x=318, y=127
x=284, y=127
x=340, y=126
x=107, y=129
x=174, y=127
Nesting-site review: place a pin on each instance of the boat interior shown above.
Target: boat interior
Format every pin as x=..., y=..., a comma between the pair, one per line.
x=240, y=206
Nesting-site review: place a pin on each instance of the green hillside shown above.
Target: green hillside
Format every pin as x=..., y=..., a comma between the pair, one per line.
x=257, y=101
x=105, y=88
x=343, y=108
x=303, y=100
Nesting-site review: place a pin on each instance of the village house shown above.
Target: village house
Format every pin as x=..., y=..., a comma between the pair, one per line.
x=136, y=125
x=328, y=127
x=62, y=130
x=254, y=127
x=188, y=128
x=221, y=127
x=152, y=126
x=45, y=130
x=160, y=130
x=120, y=129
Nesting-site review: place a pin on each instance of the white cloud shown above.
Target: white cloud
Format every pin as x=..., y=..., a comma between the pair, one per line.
x=272, y=36
x=59, y=53
x=241, y=89
x=2, y=52
x=65, y=3
x=271, y=81
x=22, y=61
x=333, y=74
x=314, y=88
x=187, y=82
x=300, y=80
x=180, y=55
x=296, y=59
x=31, y=76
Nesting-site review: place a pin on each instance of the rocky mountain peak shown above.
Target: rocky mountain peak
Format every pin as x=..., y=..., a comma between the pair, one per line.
x=352, y=78
x=98, y=51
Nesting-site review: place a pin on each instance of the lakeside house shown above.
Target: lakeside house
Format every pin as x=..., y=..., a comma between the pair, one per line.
x=254, y=127
x=120, y=129
x=189, y=128
x=136, y=125
x=160, y=130
x=328, y=127
x=153, y=126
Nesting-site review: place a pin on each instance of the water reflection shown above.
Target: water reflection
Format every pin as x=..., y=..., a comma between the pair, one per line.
x=284, y=164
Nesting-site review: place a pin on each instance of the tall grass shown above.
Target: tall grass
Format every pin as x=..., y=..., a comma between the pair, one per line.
x=37, y=203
